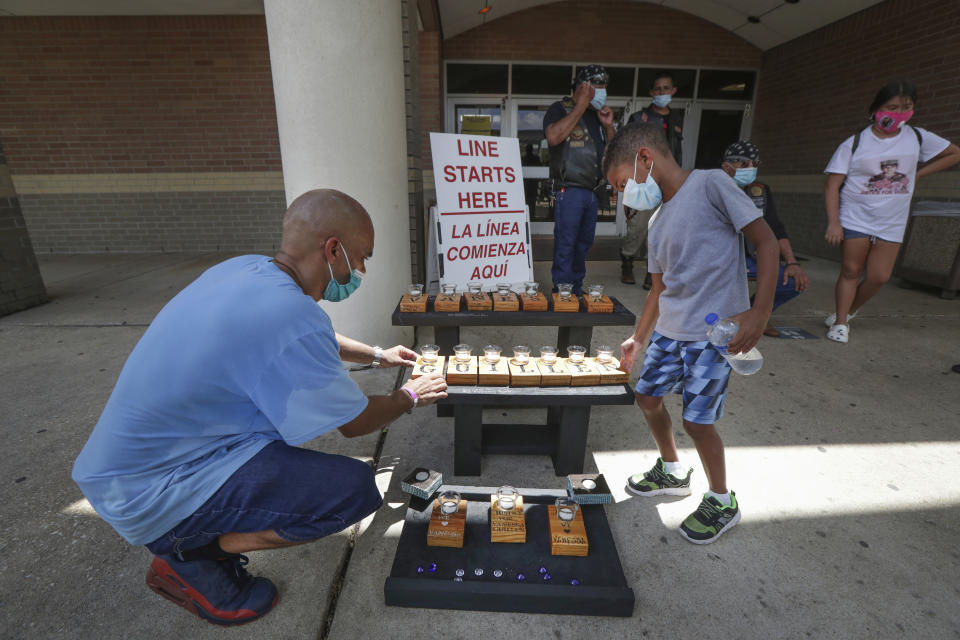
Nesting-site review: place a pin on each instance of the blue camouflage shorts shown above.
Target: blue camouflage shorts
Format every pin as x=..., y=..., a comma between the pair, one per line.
x=693, y=368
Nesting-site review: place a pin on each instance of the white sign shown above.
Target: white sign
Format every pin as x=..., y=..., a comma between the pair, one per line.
x=482, y=227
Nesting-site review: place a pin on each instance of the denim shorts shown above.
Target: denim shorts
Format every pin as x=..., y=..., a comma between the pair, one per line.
x=298, y=493
x=694, y=369
x=850, y=234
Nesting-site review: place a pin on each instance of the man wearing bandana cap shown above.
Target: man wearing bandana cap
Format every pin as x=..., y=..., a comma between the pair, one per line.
x=740, y=161
x=577, y=129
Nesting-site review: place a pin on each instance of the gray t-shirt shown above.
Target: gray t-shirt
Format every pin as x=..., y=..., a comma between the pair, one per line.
x=694, y=240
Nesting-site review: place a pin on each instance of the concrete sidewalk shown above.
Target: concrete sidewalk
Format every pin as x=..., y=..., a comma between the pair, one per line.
x=843, y=457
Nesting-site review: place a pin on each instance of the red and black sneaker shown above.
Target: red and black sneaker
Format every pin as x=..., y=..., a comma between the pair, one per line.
x=219, y=591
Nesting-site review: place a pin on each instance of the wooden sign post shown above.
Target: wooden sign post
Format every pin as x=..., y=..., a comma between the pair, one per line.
x=524, y=375
x=478, y=302
x=423, y=368
x=462, y=372
x=571, y=304
x=582, y=374
x=451, y=534
x=408, y=304
x=496, y=374
x=505, y=302
x=533, y=303
x=603, y=305
x=567, y=538
x=445, y=302
x=553, y=375
x=610, y=372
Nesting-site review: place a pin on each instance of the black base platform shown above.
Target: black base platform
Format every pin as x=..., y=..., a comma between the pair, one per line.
x=602, y=588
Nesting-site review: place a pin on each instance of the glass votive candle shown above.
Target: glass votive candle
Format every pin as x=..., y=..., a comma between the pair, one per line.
x=449, y=289
x=521, y=354
x=462, y=352
x=507, y=498
x=548, y=355
x=503, y=288
x=532, y=288
x=566, y=510
x=565, y=289
x=449, y=505
x=475, y=288
x=429, y=353
x=604, y=354
x=491, y=353
x=595, y=291
x=576, y=354
x=416, y=290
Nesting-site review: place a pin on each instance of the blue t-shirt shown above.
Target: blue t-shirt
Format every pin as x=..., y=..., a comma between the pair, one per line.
x=238, y=359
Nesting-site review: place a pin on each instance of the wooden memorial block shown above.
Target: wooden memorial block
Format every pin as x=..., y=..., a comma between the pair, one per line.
x=422, y=368
x=534, y=303
x=507, y=526
x=409, y=305
x=569, y=541
x=583, y=374
x=494, y=375
x=524, y=375
x=444, y=302
x=450, y=535
x=610, y=373
x=505, y=303
x=553, y=375
x=462, y=372
x=573, y=304
x=478, y=302
x=603, y=305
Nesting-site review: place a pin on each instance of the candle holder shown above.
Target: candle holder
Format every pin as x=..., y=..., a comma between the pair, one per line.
x=503, y=288
x=595, y=291
x=565, y=289
x=604, y=354
x=576, y=354
x=521, y=355
x=548, y=355
x=531, y=288
x=507, y=498
x=416, y=290
x=566, y=512
x=449, y=505
x=461, y=352
x=491, y=353
x=475, y=288
x=428, y=352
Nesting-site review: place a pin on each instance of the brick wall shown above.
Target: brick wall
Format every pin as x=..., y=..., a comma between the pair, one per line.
x=411, y=87
x=431, y=90
x=21, y=286
x=814, y=92
x=604, y=31
x=134, y=94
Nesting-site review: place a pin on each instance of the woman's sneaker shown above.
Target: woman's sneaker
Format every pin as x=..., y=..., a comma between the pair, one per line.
x=219, y=591
x=711, y=520
x=839, y=333
x=658, y=482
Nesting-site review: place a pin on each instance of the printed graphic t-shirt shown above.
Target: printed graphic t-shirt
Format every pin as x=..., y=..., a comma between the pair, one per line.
x=237, y=360
x=875, y=197
x=694, y=241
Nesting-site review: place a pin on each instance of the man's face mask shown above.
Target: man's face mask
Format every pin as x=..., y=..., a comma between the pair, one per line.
x=662, y=100
x=599, y=98
x=745, y=176
x=642, y=196
x=336, y=292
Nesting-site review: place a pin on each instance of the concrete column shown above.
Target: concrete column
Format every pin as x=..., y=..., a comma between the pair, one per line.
x=338, y=81
x=21, y=285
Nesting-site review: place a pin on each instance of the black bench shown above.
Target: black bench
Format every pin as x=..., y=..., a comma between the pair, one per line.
x=563, y=438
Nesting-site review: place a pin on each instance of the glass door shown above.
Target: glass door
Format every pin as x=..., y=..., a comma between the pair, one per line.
x=711, y=126
x=476, y=116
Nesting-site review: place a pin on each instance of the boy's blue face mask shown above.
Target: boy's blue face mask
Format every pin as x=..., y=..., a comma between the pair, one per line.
x=745, y=176
x=336, y=292
x=642, y=196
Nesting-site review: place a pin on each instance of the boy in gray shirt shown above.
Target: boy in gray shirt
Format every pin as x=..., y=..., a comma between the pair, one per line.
x=697, y=260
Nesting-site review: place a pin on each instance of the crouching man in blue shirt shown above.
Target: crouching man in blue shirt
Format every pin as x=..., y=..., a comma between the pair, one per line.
x=196, y=456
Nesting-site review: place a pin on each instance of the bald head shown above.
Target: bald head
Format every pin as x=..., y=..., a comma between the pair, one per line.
x=320, y=214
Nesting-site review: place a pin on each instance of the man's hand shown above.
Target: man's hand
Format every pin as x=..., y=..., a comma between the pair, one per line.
x=630, y=350
x=752, y=323
x=834, y=234
x=429, y=388
x=605, y=116
x=583, y=95
x=800, y=279
x=398, y=356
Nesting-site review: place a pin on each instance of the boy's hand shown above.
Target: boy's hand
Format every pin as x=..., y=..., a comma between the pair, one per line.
x=630, y=350
x=752, y=324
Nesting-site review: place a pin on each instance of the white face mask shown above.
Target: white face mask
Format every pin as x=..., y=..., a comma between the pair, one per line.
x=642, y=196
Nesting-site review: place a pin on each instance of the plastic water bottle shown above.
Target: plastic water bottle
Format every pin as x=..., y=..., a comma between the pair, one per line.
x=720, y=333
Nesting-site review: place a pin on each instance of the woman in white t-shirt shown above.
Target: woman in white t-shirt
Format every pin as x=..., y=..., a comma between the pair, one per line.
x=870, y=181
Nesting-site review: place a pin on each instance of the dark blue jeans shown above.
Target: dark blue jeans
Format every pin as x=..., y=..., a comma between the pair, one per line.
x=784, y=292
x=298, y=493
x=575, y=223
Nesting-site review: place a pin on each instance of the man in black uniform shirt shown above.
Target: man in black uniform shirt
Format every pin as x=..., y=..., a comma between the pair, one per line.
x=740, y=161
x=633, y=244
x=577, y=129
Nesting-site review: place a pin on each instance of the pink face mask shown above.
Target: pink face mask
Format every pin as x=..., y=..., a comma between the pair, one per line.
x=891, y=121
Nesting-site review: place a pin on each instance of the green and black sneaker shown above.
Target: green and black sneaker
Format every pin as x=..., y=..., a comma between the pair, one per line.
x=711, y=520
x=658, y=482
